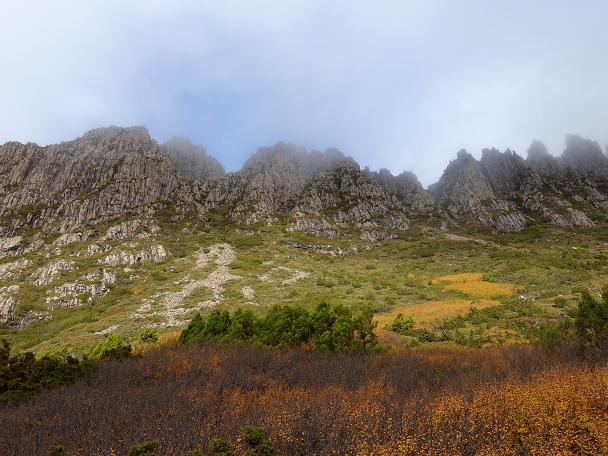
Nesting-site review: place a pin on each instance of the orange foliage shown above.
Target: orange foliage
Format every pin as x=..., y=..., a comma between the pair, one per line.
x=460, y=401
x=433, y=311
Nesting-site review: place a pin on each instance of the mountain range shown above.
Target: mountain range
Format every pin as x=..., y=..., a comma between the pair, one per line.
x=113, y=172
x=76, y=218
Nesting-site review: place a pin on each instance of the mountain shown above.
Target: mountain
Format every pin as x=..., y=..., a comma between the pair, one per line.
x=115, y=230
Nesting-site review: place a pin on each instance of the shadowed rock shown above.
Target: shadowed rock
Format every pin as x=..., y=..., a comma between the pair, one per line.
x=539, y=159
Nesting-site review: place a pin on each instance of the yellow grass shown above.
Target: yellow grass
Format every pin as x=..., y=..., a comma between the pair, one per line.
x=483, y=289
x=461, y=278
x=432, y=311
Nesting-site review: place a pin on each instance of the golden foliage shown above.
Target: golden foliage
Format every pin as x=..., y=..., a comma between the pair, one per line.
x=459, y=401
x=497, y=337
x=482, y=289
x=427, y=313
x=461, y=278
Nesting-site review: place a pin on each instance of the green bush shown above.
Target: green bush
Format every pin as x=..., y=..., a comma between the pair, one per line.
x=147, y=335
x=112, y=346
x=591, y=319
x=329, y=329
x=22, y=375
x=401, y=323
x=145, y=449
x=57, y=450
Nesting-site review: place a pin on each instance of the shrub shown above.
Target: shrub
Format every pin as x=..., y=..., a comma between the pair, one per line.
x=112, y=346
x=57, y=450
x=145, y=449
x=401, y=323
x=147, y=335
x=591, y=319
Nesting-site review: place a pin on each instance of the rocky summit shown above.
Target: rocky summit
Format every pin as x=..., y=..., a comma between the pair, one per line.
x=115, y=172
x=80, y=218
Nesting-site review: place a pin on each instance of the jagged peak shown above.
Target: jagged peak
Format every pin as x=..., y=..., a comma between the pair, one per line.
x=507, y=171
x=541, y=160
x=462, y=175
x=139, y=132
x=297, y=158
x=537, y=151
x=192, y=161
x=266, y=155
x=584, y=155
x=463, y=155
x=185, y=146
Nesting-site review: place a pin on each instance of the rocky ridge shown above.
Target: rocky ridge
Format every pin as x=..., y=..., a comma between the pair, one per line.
x=122, y=172
x=83, y=221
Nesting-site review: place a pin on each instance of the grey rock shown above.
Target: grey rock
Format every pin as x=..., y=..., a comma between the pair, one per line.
x=70, y=238
x=8, y=303
x=10, y=244
x=539, y=159
x=129, y=228
x=331, y=250
x=107, y=173
x=318, y=227
x=44, y=275
x=7, y=269
x=405, y=186
x=372, y=236
x=155, y=253
x=584, y=156
x=29, y=318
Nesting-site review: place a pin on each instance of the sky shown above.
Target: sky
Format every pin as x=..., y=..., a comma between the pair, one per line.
x=402, y=85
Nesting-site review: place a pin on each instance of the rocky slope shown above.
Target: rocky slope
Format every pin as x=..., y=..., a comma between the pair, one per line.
x=93, y=218
x=107, y=173
x=115, y=172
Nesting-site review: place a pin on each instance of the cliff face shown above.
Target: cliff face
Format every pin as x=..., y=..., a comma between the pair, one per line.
x=506, y=193
x=115, y=172
x=107, y=173
x=323, y=192
x=405, y=186
x=191, y=161
x=584, y=156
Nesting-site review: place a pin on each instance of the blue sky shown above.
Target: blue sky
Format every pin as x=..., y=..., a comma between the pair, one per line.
x=398, y=84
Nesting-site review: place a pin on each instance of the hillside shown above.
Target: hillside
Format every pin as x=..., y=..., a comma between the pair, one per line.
x=112, y=232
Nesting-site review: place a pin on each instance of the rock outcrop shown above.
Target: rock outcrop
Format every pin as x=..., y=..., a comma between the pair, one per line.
x=405, y=186
x=8, y=303
x=539, y=159
x=116, y=172
x=584, y=156
x=154, y=253
x=107, y=173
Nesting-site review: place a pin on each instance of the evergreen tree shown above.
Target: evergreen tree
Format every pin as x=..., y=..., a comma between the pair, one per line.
x=591, y=319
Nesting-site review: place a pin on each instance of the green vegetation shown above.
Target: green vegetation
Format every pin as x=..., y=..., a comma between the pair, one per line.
x=401, y=323
x=329, y=329
x=22, y=375
x=548, y=267
x=112, y=346
x=591, y=320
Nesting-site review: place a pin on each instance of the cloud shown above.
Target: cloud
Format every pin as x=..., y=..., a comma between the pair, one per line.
x=402, y=85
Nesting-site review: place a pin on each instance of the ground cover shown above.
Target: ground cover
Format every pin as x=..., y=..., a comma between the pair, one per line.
x=425, y=401
x=527, y=272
